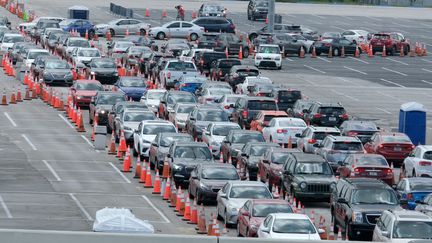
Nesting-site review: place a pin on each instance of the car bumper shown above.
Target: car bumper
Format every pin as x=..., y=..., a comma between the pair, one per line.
x=83, y=102
x=181, y=177
x=420, y=172
x=362, y=231
x=231, y=217
x=207, y=195
x=106, y=79
x=68, y=81
x=313, y=196
x=128, y=136
x=102, y=119
x=399, y=157
x=268, y=63
x=259, y=15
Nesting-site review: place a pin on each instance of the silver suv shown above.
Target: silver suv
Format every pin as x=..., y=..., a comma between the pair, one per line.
x=314, y=135
x=402, y=226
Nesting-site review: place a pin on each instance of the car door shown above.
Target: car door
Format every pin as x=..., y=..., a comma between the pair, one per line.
x=369, y=145
x=186, y=29
x=221, y=201
x=340, y=207
x=268, y=131
x=267, y=224
x=348, y=45
x=174, y=29
x=243, y=218
x=133, y=26
x=121, y=26
x=345, y=168
x=207, y=134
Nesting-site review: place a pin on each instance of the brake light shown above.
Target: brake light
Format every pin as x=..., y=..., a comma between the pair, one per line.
x=202, y=61
x=141, y=59
x=352, y=133
x=260, y=94
x=425, y=163
x=131, y=56
x=327, y=44
x=359, y=170
x=344, y=116
x=361, y=37
x=412, y=146
x=380, y=146
x=281, y=131
x=232, y=26
x=169, y=75
x=220, y=73
x=227, y=107
x=301, y=114
x=209, y=99
x=312, y=141
x=244, y=114
x=388, y=171
x=410, y=196
x=318, y=115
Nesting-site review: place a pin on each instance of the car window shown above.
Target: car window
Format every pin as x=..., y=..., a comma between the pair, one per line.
x=252, y=192
x=186, y=25
x=174, y=25
x=267, y=221
x=192, y=152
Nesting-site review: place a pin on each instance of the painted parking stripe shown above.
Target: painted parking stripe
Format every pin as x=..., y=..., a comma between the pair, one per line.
x=156, y=209
x=390, y=82
x=383, y=110
x=80, y=206
x=29, y=142
x=394, y=71
x=51, y=169
x=5, y=208
x=10, y=119
x=393, y=60
x=317, y=70
x=355, y=70
x=358, y=59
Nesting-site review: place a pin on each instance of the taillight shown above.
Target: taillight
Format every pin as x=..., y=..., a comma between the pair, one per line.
x=361, y=37
x=425, y=163
x=227, y=107
x=412, y=146
x=359, y=170
x=410, y=196
x=281, y=131
x=244, y=114
x=202, y=61
x=318, y=115
x=169, y=75
x=380, y=146
x=209, y=99
x=327, y=44
x=388, y=171
x=344, y=116
x=220, y=73
x=312, y=141
x=352, y=134
x=260, y=94
x=232, y=26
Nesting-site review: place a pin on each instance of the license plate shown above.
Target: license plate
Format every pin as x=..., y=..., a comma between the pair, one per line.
x=332, y=118
x=397, y=149
x=373, y=173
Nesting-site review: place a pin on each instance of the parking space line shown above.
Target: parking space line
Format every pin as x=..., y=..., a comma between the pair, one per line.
x=424, y=81
x=427, y=70
x=358, y=59
x=394, y=71
x=10, y=119
x=65, y=120
x=314, y=69
x=87, y=141
x=325, y=60
x=81, y=207
x=426, y=60
x=383, y=110
x=50, y=168
x=29, y=142
x=288, y=59
x=355, y=70
x=119, y=172
x=393, y=60
x=390, y=82
x=5, y=208
x=391, y=97
x=156, y=209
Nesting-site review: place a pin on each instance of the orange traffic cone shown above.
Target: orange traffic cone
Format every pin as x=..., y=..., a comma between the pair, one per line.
x=314, y=55
x=157, y=184
x=357, y=52
x=137, y=168
x=302, y=52
x=173, y=197
x=143, y=174
x=165, y=170
x=122, y=145
x=178, y=198
x=330, y=53
x=226, y=52
x=81, y=123
x=4, y=98
x=147, y=13
x=210, y=226
x=182, y=207
x=216, y=231
x=240, y=54
x=13, y=98
x=424, y=51
x=127, y=161
x=290, y=143
x=18, y=96
x=167, y=189
x=86, y=35
x=187, y=211
x=370, y=51
x=112, y=145
x=384, y=51
x=201, y=227
x=401, y=53
x=342, y=52
x=164, y=13
x=127, y=32
x=148, y=182
x=194, y=213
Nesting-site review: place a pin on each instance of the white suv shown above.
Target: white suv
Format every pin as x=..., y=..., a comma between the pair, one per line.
x=402, y=226
x=269, y=56
x=314, y=135
x=145, y=134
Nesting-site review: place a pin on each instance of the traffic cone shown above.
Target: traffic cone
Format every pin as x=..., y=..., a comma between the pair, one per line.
x=147, y=13
x=299, y=207
x=13, y=98
x=342, y=52
x=357, y=52
x=210, y=226
x=167, y=189
x=370, y=52
x=384, y=51
x=165, y=170
x=302, y=52
x=339, y=235
x=187, y=211
x=424, y=51
x=137, y=168
x=330, y=53
x=127, y=162
x=240, y=54
x=127, y=32
x=266, y=21
x=290, y=145
x=224, y=230
x=18, y=96
x=4, y=98
x=112, y=145
x=314, y=55
x=194, y=15
x=173, y=197
x=216, y=231
x=157, y=184
x=27, y=95
x=122, y=146
x=148, y=181
x=401, y=52
x=201, y=227
x=178, y=198
x=330, y=234
x=86, y=36
x=108, y=35
x=81, y=123
x=92, y=137
x=276, y=193
x=143, y=174
x=194, y=213
x=164, y=13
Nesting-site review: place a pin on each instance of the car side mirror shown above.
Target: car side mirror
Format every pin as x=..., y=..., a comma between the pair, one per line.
x=154, y=144
x=232, y=106
x=192, y=118
x=136, y=131
x=298, y=135
x=385, y=234
x=266, y=161
x=223, y=195
x=341, y=200
x=266, y=230
x=317, y=145
x=207, y=133
x=244, y=154
x=168, y=155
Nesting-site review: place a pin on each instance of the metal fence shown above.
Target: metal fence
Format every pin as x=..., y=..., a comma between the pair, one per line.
x=120, y=10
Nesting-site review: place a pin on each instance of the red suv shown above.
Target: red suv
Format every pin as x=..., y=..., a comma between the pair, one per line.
x=393, y=42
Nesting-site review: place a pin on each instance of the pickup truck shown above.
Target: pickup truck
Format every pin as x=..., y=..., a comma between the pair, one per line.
x=174, y=69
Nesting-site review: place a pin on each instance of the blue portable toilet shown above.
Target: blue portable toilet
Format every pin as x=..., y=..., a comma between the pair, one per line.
x=78, y=12
x=412, y=122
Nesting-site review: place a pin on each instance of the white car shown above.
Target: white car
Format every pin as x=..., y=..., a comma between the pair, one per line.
x=120, y=26
x=146, y=133
x=32, y=54
x=189, y=55
x=289, y=226
x=418, y=163
x=84, y=55
x=210, y=95
x=314, y=135
x=357, y=36
x=121, y=46
x=177, y=29
x=9, y=39
x=249, y=82
x=25, y=27
x=301, y=39
x=152, y=98
x=180, y=114
x=215, y=133
x=280, y=129
x=226, y=101
x=268, y=56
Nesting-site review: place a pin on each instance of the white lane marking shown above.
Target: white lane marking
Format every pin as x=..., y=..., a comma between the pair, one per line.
x=424, y=81
x=355, y=70
x=314, y=69
x=288, y=59
x=393, y=60
x=10, y=119
x=427, y=70
x=325, y=60
x=119, y=172
x=391, y=82
x=50, y=168
x=394, y=71
x=358, y=59
x=87, y=141
x=383, y=110
x=156, y=209
x=29, y=142
x=390, y=96
x=5, y=208
x=426, y=60
x=81, y=207
x=66, y=120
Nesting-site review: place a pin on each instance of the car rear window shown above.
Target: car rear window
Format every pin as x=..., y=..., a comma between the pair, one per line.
x=212, y=115
x=248, y=137
x=420, y=186
x=252, y=192
x=193, y=152
x=352, y=146
x=155, y=129
x=181, y=66
x=363, y=127
x=396, y=139
x=214, y=55
x=220, y=130
x=286, y=95
x=279, y=158
x=322, y=135
x=371, y=160
x=209, y=38
x=248, y=72
x=138, y=116
x=381, y=37
x=262, y=210
x=229, y=63
x=332, y=110
x=166, y=141
x=266, y=105
x=259, y=150
x=292, y=123
x=269, y=117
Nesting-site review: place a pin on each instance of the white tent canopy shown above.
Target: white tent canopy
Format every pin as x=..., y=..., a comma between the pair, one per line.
x=120, y=220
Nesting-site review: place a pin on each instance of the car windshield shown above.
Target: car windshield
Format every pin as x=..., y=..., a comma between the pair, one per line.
x=262, y=105
x=167, y=140
x=269, y=50
x=138, y=50
x=220, y=91
x=262, y=210
x=223, y=130
x=248, y=137
x=57, y=65
x=79, y=43
x=293, y=226
x=138, y=116
x=371, y=160
x=110, y=99
x=262, y=4
x=353, y=146
x=103, y=64
x=279, y=158
x=363, y=126
x=212, y=115
x=181, y=66
x=155, y=95
x=332, y=110
x=13, y=39
x=45, y=25
x=259, y=150
x=220, y=174
x=292, y=123
x=374, y=196
x=421, y=185
x=232, y=100
x=158, y=128
x=192, y=152
x=34, y=54
x=313, y=168
x=123, y=45
x=185, y=109
x=182, y=98
x=212, y=8
x=132, y=83
x=252, y=192
x=412, y=230
x=88, y=86
x=396, y=139
x=381, y=37
x=330, y=35
x=88, y=53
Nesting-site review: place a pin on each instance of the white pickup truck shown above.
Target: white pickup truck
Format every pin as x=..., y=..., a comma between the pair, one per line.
x=174, y=69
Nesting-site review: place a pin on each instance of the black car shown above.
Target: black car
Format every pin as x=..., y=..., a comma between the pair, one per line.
x=55, y=71
x=38, y=64
x=326, y=114
x=246, y=108
x=208, y=40
x=40, y=27
x=101, y=104
x=204, y=60
x=215, y=24
x=357, y=203
x=323, y=47
x=307, y=177
x=221, y=67
x=211, y=10
x=175, y=49
x=299, y=108
x=201, y=117
x=250, y=155
x=257, y=9
x=286, y=42
x=232, y=43
x=238, y=73
x=104, y=69
x=160, y=147
x=146, y=67
x=278, y=28
x=117, y=110
x=16, y=50
x=286, y=98
x=135, y=55
x=363, y=130
x=184, y=157
x=235, y=140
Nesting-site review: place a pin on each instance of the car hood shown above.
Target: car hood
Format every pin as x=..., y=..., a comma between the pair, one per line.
x=162, y=149
x=153, y=102
x=218, y=139
x=373, y=208
x=324, y=179
x=236, y=146
x=202, y=123
x=133, y=125
x=57, y=71
x=254, y=159
x=104, y=107
x=181, y=116
x=190, y=162
x=237, y=202
x=104, y=70
x=148, y=137
x=272, y=55
x=133, y=89
x=86, y=92
x=214, y=184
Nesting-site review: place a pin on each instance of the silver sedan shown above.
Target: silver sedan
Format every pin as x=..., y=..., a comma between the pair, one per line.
x=121, y=26
x=177, y=29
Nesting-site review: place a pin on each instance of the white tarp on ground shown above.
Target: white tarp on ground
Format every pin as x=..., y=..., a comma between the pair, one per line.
x=120, y=220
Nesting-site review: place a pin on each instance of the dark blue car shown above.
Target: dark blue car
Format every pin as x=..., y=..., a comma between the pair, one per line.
x=412, y=190
x=80, y=25
x=133, y=87
x=215, y=24
x=189, y=84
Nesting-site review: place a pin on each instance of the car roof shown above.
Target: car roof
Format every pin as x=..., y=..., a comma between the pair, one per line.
x=344, y=138
x=162, y=122
x=387, y=133
x=410, y=215
x=287, y=119
x=175, y=134
x=303, y=157
x=263, y=143
x=87, y=81
x=425, y=147
x=284, y=150
x=195, y=144
x=269, y=201
x=259, y=98
x=419, y=179
x=236, y=67
x=269, y=45
x=225, y=123
x=137, y=110
x=365, y=183
x=245, y=131
x=171, y=92
x=289, y=216
x=246, y=183
x=218, y=165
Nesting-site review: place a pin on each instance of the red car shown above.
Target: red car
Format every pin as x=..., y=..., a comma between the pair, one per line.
x=84, y=90
x=263, y=118
x=393, y=42
x=367, y=165
x=394, y=146
x=254, y=211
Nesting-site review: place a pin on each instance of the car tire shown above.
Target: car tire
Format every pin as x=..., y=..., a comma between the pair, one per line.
x=280, y=67
x=247, y=232
x=392, y=51
x=112, y=32
x=406, y=50
x=245, y=52
x=160, y=35
x=142, y=32
x=219, y=217
x=193, y=37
